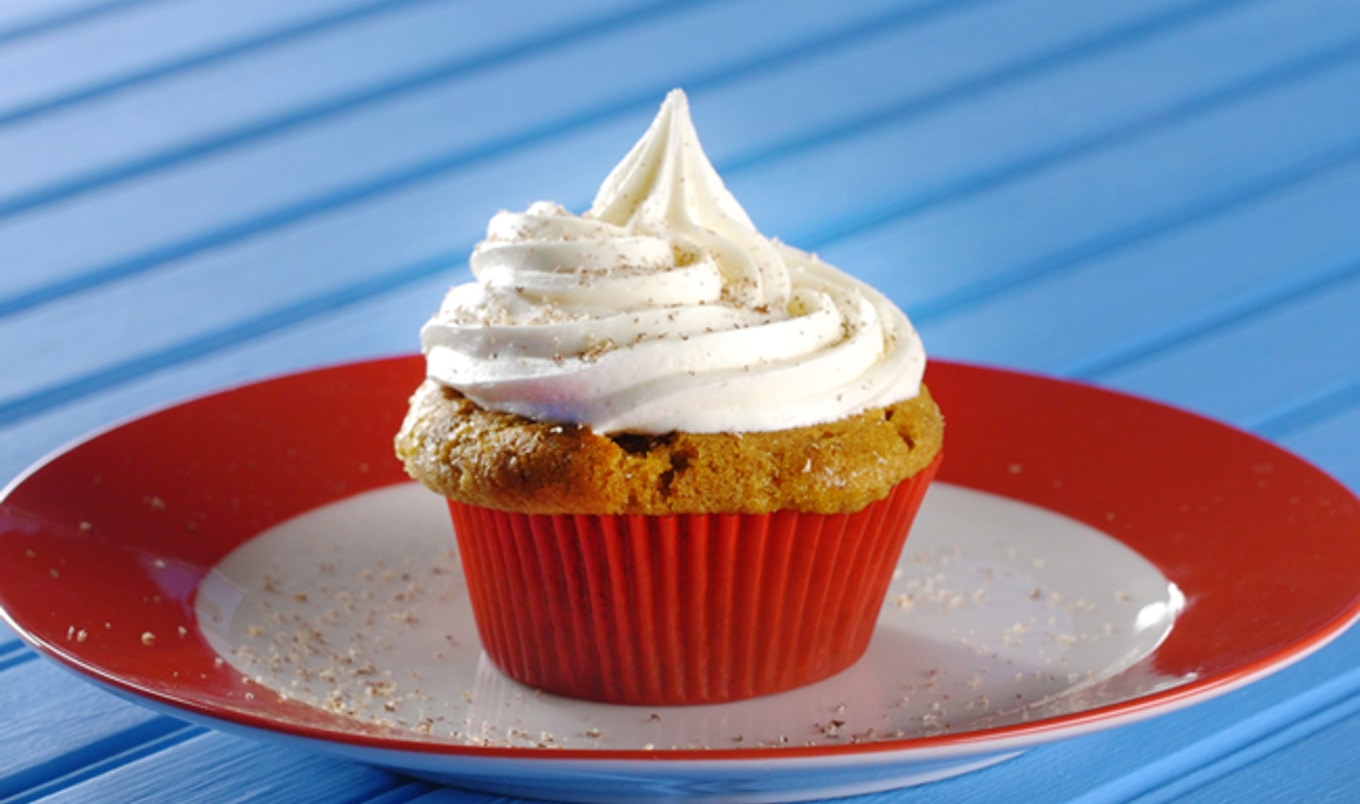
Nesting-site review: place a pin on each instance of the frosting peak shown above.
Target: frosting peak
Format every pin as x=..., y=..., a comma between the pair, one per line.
x=663, y=308
x=666, y=186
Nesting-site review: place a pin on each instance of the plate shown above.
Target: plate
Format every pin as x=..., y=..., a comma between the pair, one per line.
x=1087, y=559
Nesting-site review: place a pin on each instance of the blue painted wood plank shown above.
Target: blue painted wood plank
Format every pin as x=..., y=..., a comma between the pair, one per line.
x=141, y=42
x=917, y=142
x=382, y=325
x=306, y=261
x=404, y=141
x=216, y=767
x=299, y=261
x=1033, y=84
x=1132, y=303
x=63, y=725
x=153, y=329
x=426, y=230
x=22, y=19
x=1288, y=768
x=450, y=795
x=1271, y=361
x=977, y=245
x=303, y=80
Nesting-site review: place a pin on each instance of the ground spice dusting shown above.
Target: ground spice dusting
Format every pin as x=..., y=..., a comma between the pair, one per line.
x=328, y=631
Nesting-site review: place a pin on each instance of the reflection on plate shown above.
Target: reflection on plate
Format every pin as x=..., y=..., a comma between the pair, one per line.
x=1070, y=526
x=1001, y=613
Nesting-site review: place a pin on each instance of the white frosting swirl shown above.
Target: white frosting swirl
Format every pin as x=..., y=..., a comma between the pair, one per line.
x=662, y=308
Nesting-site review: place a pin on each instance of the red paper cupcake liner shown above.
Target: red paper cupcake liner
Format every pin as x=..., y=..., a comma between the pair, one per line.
x=681, y=609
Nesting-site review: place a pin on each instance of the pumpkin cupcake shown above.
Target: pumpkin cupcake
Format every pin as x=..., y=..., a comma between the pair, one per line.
x=681, y=458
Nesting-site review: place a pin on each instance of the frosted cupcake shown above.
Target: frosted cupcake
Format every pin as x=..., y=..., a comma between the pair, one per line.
x=681, y=458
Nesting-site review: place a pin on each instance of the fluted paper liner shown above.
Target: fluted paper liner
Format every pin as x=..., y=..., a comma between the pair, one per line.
x=681, y=609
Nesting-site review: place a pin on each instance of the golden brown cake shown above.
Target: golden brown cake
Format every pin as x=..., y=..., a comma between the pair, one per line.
x=511, y=463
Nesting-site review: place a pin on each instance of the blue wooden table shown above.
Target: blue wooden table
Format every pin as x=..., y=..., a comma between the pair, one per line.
x=1161, y=197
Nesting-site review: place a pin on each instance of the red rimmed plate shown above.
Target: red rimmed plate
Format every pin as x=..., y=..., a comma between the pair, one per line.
x=105, y=547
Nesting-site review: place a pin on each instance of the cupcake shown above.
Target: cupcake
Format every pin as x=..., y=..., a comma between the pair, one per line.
x=681, y=458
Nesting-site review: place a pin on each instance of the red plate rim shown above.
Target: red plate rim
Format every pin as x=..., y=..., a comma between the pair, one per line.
x=103, y=544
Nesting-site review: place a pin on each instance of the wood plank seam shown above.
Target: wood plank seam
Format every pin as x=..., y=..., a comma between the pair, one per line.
x=205, y=58
x=1141, y=231
x=112, y=752
x=14, y=655
x=226, y=337
x=1313, y=408
x=68, y=19
x=1265, y=732
x=452, y=161
x=450, y=70
x=1296, y=70
x=1297, y=285
x=1007, y=75
x=474, y=154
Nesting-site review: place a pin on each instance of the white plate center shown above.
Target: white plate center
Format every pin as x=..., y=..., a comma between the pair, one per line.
x=1001, y=613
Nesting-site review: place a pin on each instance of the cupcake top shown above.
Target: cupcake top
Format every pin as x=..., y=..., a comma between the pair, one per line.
x=662, y=309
